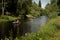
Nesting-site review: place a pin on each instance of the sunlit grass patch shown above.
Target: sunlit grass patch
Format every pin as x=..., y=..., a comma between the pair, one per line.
x=7, y=18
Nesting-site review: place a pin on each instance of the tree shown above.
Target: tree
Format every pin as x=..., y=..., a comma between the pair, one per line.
x=0, y=7
x=29, y=2
x=23, y=7
x=39, y=3
x=53, y=1
x=12, y=6
x=35, y=10
x=58, y=3
x=49, y=7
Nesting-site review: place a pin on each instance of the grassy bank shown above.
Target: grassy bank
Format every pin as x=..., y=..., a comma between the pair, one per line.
x=48, y=32
x=7, y=18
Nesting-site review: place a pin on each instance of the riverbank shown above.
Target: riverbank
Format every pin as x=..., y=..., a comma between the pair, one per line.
x=50, y=31
x=7, y=18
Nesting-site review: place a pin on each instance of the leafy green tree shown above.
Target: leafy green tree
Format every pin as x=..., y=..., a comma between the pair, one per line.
x=39, y=3
x=12, y=6
x=43, y=12
x=23, y=7
x=58, y=3
x=29, y=2
x=0, y=7
x=52, y=9
x=53, y=1
x=34, y=10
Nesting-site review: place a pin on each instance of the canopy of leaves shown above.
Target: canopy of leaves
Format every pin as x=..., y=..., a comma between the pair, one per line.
x=35, y=10
x=52, y=8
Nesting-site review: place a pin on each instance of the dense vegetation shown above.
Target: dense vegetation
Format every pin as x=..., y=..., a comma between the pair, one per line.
x=11, y=10
x=22, y=8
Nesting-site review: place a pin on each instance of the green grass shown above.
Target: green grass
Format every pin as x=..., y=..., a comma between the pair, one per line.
x=7, y=18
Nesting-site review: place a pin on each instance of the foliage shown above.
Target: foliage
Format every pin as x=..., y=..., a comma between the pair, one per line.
x=23, y=8
x=52, y=9
x=58, y=3
x=35, y=10
x=57, y=23
x=53, y=15
x=43, y=12
x=53, y=1
x=39, y=3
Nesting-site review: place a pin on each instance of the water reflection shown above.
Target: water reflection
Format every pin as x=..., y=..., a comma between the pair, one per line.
x=34, y=24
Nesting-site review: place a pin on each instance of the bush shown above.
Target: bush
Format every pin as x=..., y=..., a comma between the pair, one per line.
x=53, y=15
x=57, y=23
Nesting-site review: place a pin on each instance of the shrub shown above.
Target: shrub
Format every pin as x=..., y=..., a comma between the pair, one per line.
x=57, y=23
x=53, y=15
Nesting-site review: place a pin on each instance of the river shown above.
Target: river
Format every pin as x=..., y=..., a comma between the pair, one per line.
x=34, y=24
